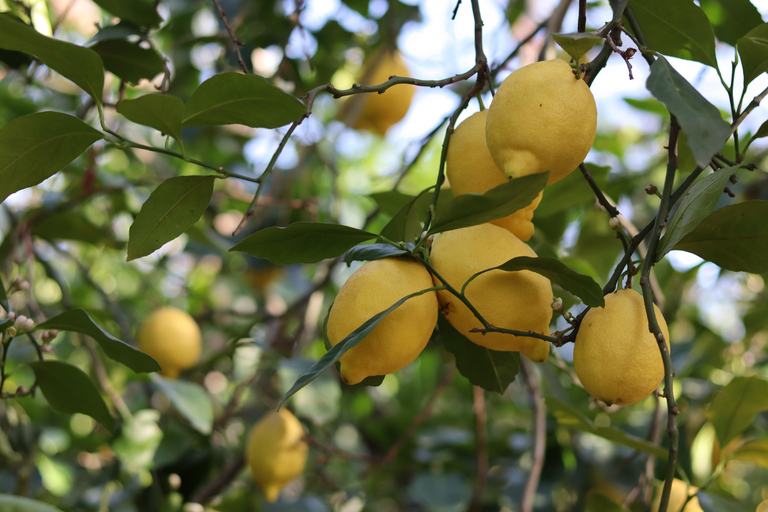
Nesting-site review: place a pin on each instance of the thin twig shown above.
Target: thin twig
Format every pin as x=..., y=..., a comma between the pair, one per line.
x=539, y=434
x=609, y=207
x=481, y=419
x=218, y=484
x=235, y=40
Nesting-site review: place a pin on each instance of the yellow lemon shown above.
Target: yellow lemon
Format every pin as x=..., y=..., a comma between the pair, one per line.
x=615, y=356
x=678, y=495
x=542, y=118
x=173, y=339
x=380, y=111
x=401, y=336
x=276, y=451
x=471, y=170
x=512, y=300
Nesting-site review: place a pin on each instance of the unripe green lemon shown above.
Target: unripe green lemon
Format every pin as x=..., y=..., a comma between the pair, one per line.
x=513, y=300
x=615, y=356
x=173, y=339
x=276, y=451
x=401, y=336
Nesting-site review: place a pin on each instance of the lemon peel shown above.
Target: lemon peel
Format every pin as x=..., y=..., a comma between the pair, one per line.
x=380, y=111
x=172, y=337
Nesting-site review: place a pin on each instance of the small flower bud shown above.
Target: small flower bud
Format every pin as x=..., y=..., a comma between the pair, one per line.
x=28, y=324
x=47, y=349
x=568, y=316
x=11, y=316
x=24, y=285
x=557, y=305
x=21, y=390
x=20, y=321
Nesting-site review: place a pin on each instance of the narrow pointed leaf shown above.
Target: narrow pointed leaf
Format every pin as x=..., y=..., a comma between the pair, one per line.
x=12, y=503
x=370, y=252
x=172, y=208
x=713, y=503
x=355, y=337
x=406, y=223
x=69, y=390
x=77, y=320
x=735, y=406
x=471, y=209
x=81, y=65
x=129, y=61
x=37, y=146
x=234, y=98
x=140, y=12
x=698, y=202
x=735, y=237
x=731, y=19
x=302, y=242
x=163, y=112
x=753, y=52
x=678, y=29
x=492, y=370
x=701, y=121
x=191, y=400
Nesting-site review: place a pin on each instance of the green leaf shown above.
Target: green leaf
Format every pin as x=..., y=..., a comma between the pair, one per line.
x=712, y=503
x=568, y=416
x=81, y=65
x=735, y=406
x=174, y=206
x=753, y=52
x=701, y=121
x=11, y=503
x=3, y=296
x=5, y=324
x=191, y=400
x=571, y=192
x=678, y=29
x=735, y=237
x=121, y=30
x=471, y=209
x=163, y=112
x=370, y=252
x=580, y=285
x=731, y=19
x=762, y=131
x=754, y=451
x=355, y=337
x=77, y=320
x=492, y=370
x=74, y=225
x=600, y=502
x=302, y=242
x=233, y=98
x=69, y=390
x=577, y=44
x=129, y=61
x=37, y=146
x=406, y=223
x=141, y=12
x=698, y=202
x=391, y=201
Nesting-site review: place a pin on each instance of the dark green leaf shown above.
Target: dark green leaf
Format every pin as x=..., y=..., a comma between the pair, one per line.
x=174, y=206
x=754, y=451
x=713, y=503
x=233, y=98
x=471, y=209
x=406, y=224
x=568, y=416
x=731, y=19
x=81, y=65
x=3, y=296
x=302, y=242
x=698, y=202
x=35, y=147
x=121, y=30
x=11, y=503
x=762, y=131
x=576, y=44
x=678, y=29
x=5, y=324
x=191, y=400
x=735, y=406
x=333, y=355
x=74, y=225
x=163, y=112
x=69, y=390
x=371, y=252
x=753, y=51
x=129, y=61
x=391, y=201
x=78, y=320
x=141, y=12
x=492, y=370
x=734, y=237
x=701, y=121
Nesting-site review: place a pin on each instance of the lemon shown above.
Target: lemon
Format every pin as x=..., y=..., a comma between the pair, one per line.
x=380, y=111
x=471, y=170
x=401, y=336
x=678, y=495
x=512, y=300
x=615, y=356
x=173, y=339
x=276, y=451
x=542, y=118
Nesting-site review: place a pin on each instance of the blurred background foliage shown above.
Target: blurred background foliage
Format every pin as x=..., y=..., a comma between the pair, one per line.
x=417, y=441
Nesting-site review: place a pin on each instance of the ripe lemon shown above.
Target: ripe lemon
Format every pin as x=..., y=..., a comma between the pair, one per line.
x=471, y=170
x=276, y=451
x=512, y=300
x=615, y=356
x=678, y=495
x=380, y=111
x=401, y=336
x=173, y=339
x=542, y=118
